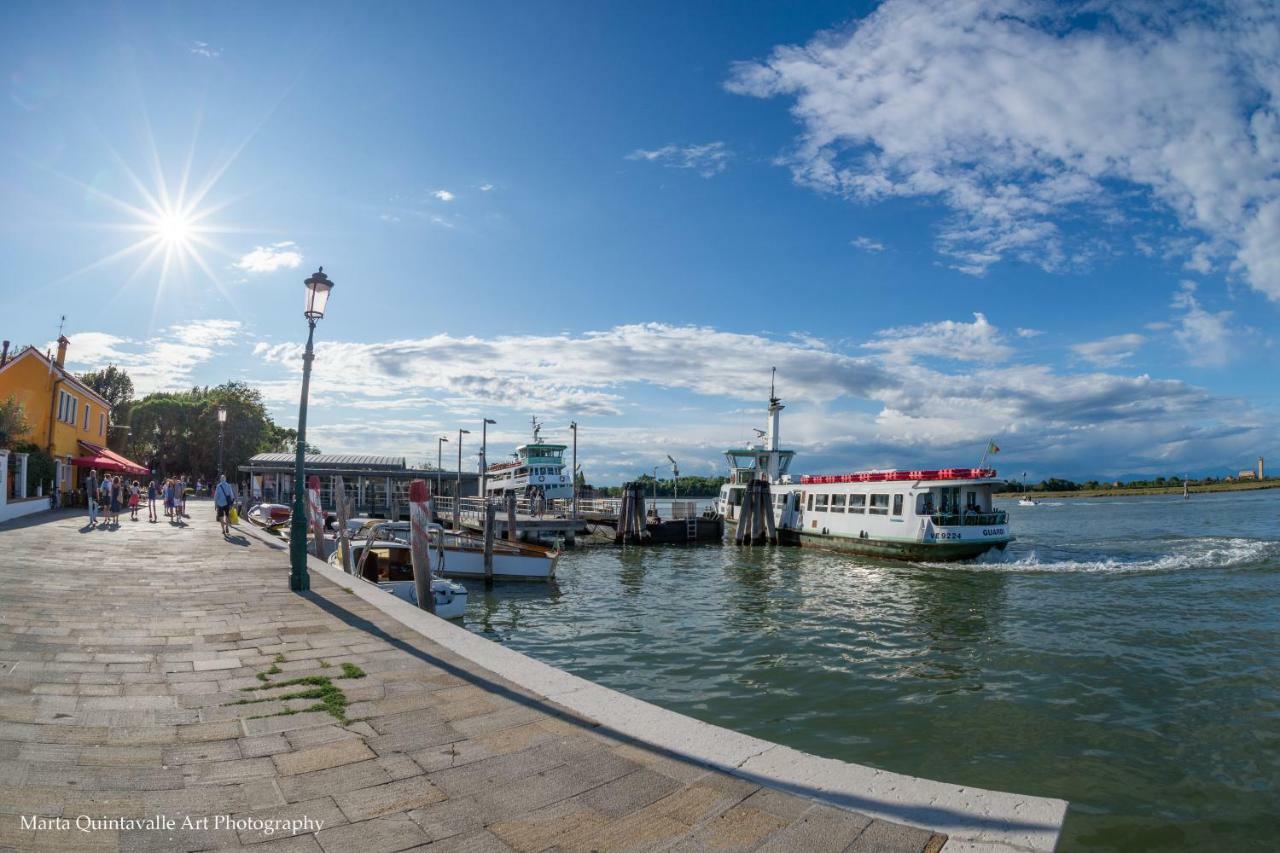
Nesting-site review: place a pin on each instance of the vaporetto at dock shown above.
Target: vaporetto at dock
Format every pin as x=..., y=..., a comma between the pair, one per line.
x=935, y=514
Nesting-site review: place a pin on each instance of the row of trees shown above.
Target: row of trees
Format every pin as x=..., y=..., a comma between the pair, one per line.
x=177, y=432
x=1054, y=484
x=689, y=487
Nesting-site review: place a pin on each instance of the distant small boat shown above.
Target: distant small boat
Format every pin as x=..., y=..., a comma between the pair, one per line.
x=271, y=516
x=464, y=552
x=1028, y=502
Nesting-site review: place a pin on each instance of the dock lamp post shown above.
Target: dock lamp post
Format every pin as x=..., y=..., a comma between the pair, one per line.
x=318, y=287
x=222, y=424
x=484, y=459
x=439, y=460
x=461, y=433
x=573, y=478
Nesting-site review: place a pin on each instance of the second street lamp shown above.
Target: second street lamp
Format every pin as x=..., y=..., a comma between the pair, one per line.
x=457, y=495
x=222, y=424
x=318, y=287
x=439, y=460
x=484, y=457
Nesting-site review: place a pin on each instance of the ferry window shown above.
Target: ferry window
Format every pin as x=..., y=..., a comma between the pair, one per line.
x=924, y=504
x=879, y=505
x=837, y=503
x=811, y=500
x=857, y=503
x=897, y=504
x=821, y=504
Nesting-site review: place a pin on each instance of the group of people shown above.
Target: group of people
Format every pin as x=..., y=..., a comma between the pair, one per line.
x=109, y=495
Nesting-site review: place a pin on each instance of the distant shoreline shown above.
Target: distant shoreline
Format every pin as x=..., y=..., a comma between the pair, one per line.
x=1246, y=486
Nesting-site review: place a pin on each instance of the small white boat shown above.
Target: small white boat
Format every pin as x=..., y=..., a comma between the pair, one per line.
x=1028, y=502
x=388, y=564
x=464, y=553
x=269, y=515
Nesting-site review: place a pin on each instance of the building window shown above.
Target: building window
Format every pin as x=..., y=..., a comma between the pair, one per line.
x=837, y=503
x=879, y=505
x=857, y=503
x=86, y=417
x=67, y=408
x=897, y=504
x=102, y=423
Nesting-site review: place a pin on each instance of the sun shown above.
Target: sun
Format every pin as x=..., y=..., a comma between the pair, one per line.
x=173, y=229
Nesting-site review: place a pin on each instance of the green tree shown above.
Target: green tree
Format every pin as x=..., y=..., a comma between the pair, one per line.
x=115, y=386
x=13, y=421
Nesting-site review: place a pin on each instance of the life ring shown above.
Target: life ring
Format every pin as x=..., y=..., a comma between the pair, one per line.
x=542, y=478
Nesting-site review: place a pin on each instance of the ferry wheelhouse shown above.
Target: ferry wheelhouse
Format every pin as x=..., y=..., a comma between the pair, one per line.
x=536, y=471
x=935, y=514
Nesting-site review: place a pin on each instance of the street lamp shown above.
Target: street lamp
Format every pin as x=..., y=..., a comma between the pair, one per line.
x=457, y=494
x=439, y=461
x=484, y=458
x=222, y=423
x=317, y=296
x=158, y=457
x=573, y=475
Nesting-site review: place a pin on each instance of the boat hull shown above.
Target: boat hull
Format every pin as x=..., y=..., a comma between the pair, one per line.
x=451, y=599
x=889, y=549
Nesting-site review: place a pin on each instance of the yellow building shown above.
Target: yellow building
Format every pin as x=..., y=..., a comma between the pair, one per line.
x=68, y=419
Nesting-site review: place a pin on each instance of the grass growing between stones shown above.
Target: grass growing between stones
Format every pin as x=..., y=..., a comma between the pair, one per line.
x=329, y=697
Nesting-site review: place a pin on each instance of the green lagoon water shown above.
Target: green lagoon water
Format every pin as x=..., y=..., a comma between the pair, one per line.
x=1124, y=654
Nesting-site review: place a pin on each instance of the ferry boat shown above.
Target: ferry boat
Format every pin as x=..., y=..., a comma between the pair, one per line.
x=536, y=471
x=937, y=514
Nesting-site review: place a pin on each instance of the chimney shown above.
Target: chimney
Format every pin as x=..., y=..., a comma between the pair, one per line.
x=62, y=350
x=4, y=354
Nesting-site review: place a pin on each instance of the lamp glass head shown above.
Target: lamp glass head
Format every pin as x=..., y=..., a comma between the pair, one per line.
x=222, y=415
x=318, y=287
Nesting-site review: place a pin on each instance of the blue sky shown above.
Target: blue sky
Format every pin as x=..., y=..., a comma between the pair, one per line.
x=940, y=221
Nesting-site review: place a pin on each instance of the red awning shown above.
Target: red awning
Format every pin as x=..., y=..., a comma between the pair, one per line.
x=107, y=460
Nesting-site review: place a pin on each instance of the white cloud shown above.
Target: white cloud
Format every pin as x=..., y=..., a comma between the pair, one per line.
x=484, y=188
x=1207, y=337
x=1029, y=333
x=271, y=258
x=200, y=48
x=707, y=160
x=163, y=362
x=1109, y=352
x=867, y=244
x=937, y=391
x=444, y=195
x=948, y=339
x=1023, y=115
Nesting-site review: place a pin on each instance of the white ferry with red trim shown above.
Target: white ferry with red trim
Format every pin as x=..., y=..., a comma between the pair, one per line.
x=535, y=471
x=935, y=514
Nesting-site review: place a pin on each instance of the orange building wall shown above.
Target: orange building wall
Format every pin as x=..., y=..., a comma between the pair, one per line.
x=28, y=379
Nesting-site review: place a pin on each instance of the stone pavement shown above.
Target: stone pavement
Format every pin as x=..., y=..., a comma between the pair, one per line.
x=131, y=660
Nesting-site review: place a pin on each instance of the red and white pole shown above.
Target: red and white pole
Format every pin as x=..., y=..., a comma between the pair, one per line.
x=420, y=544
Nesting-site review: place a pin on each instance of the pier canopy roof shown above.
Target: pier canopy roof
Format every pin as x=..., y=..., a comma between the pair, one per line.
x=337, y=463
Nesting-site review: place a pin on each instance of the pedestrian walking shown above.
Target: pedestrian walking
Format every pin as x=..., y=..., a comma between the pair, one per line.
x=91, y=495
x=152, y=493
x=135, y=497
x=117, y=497
x=182, y=497
x=168, y=499
x=224, y=498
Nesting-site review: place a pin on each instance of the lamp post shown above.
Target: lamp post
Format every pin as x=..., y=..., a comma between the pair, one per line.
x=439, y=461
x=457, y=493
x=318, y=287
x=159, y=456
x=484, y=458
x=573, y=475
x=222, y=423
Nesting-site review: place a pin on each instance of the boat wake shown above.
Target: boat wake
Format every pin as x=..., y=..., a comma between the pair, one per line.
x=1205, y=553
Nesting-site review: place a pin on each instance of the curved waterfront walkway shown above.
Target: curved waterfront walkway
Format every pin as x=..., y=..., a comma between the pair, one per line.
x=145, y=671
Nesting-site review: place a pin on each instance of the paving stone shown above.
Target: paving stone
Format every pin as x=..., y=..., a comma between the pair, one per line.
x=413, y=792
x=337, y=753
x=380, y=835
x=322, y=810
x=884, y=837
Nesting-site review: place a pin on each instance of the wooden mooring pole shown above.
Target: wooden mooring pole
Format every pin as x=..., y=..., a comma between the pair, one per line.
x=513, y=532
x=490, y=517
x=755, y=522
